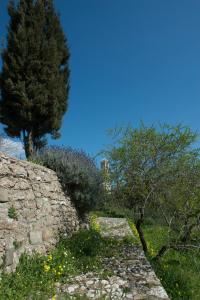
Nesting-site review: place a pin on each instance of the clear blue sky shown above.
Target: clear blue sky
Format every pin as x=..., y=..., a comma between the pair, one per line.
x=131, y=60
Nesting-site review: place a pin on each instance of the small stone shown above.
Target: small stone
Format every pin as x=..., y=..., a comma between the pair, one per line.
x=103, y=293
x=121, y=282
x=90, y=294
x=153, y=282
x=9, y=255
x=129, y=296
x=57, y=284
x=89, y=282
x=104, y=282
x=107, y=286
x=71, y=289
x=3, y=195
x=82, y=288
x=138, y=297
x=47, y=234
x=35, y=237
x=115, y=286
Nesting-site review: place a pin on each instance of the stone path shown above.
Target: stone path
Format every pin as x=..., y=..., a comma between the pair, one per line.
x=133, y=277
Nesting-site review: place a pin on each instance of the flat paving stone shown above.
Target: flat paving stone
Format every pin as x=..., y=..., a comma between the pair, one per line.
x=114, y=227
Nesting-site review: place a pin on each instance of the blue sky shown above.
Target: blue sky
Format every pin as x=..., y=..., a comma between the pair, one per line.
x=131, y=60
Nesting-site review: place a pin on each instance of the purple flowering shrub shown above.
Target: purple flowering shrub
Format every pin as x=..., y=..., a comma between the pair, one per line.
x=78, y=174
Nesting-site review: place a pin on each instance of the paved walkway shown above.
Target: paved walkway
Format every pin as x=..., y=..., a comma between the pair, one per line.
x=133, y=276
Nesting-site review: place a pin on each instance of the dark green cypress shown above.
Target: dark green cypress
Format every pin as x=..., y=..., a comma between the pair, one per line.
x=35, y=75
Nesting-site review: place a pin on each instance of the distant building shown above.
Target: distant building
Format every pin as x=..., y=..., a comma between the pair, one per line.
x=105, y=165
x=105, y=171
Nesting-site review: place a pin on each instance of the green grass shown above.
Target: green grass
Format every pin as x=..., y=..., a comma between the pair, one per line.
x=179, y=272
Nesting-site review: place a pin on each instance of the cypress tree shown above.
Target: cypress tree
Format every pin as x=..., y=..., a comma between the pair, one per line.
x=35, y=75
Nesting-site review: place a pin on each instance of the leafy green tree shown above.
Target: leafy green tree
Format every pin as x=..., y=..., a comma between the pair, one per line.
x=146, y=164
x=35, y=76
x=180, y=206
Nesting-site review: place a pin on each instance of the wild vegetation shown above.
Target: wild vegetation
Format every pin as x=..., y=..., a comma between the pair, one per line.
x=36, y=276
x=177, y=270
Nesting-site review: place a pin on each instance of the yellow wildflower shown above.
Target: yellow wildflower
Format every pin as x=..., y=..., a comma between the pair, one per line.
x=49, y=258
x=46, y=268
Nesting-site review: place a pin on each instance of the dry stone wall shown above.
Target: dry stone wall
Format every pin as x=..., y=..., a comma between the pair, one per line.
x=33, y=210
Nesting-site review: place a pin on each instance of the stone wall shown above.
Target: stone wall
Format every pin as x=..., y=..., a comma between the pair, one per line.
x=33, y=210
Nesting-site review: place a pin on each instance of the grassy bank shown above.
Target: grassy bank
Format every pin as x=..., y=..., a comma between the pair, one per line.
x=36, y=275
x=179, y=272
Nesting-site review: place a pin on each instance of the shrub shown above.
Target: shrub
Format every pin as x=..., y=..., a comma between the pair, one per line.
x=78, y=174
x=86, y=243
x=12, y=213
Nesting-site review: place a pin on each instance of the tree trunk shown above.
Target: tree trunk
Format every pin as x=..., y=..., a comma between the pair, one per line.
x=162, y=252
x=165, y=248
x=28, y=144
x=141, y=235
x=187, y=234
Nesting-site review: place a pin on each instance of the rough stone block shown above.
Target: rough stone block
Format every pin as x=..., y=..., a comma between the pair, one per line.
x=18, y=170
x=47, y=234
x=9, y=255
x=18, y=195
x=36, y=237
x=22, y=184
x=1, y=259
x=3, y=195
x=4, y=170
x=7, y=182
x=29, y=214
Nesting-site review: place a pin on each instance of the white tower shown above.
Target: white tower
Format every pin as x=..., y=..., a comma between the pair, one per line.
x=105, y=171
